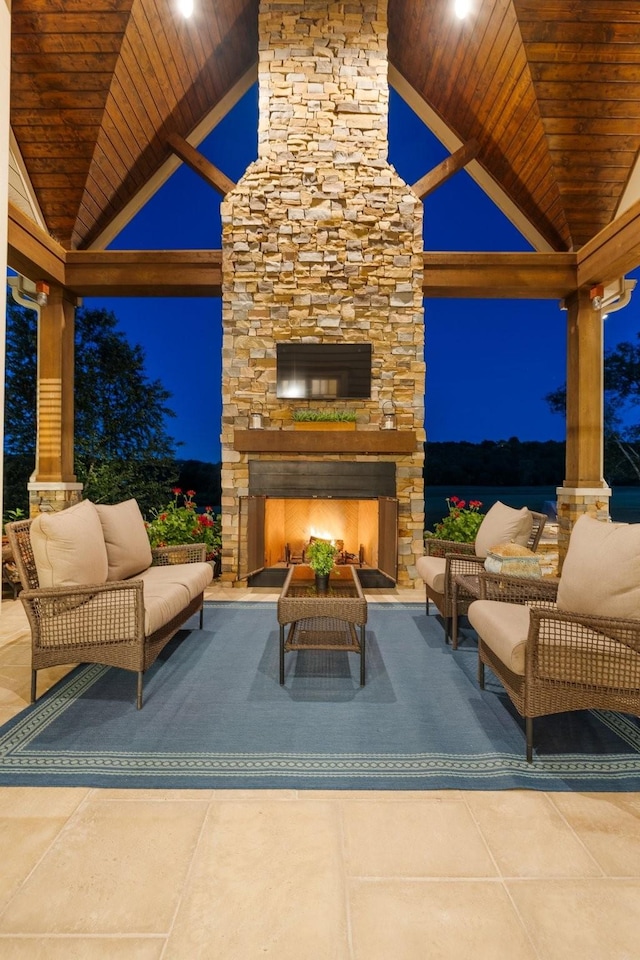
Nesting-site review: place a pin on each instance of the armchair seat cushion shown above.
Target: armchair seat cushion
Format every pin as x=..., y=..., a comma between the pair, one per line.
x=432, y=571
x=504, y=628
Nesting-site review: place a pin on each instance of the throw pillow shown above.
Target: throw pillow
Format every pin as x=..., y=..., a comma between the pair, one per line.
x=125, y=536
x=502, y=524
x=68, y=547
x=601, y=572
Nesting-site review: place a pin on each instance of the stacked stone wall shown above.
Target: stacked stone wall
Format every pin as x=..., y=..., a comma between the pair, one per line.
x=322, y=242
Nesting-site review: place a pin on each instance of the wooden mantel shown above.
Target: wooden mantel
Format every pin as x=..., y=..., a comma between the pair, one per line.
x=330, y=441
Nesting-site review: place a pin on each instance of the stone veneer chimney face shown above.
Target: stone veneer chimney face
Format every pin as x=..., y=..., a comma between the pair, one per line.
x=322, y=242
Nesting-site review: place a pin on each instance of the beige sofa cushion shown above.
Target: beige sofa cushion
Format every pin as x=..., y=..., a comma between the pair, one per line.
x=601, y=572
x=168, y=590
x=125, y=536
x=501, y=525
x=432, y=570
x=504, y=628
x=68, y=547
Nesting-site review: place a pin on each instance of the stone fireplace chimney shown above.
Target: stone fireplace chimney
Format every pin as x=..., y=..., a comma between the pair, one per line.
x=322, y=242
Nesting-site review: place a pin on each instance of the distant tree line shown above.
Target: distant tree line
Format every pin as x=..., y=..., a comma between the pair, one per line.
x=509, y=463
x=521, y=463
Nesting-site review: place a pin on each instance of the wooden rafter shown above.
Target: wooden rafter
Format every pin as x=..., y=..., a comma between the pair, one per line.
x=445, y=170
x=200, y=165
x=612, y=252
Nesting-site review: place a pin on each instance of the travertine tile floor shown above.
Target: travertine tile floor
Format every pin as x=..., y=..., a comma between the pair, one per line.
x=237, y=875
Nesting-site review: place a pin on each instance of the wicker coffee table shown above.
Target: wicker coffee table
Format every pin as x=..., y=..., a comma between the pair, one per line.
x=322, y=621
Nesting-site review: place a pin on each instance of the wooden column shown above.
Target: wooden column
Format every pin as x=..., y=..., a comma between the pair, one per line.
x=584, y=489
x=53, y=484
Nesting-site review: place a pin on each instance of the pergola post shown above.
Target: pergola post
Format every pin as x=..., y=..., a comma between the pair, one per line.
x=584, y=489
x=53, y=483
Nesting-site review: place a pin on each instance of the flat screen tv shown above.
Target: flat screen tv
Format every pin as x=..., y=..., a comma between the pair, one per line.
x=323, y=371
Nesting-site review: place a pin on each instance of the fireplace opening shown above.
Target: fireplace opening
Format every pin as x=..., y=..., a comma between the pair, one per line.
x=278, y=530
x=351, y=525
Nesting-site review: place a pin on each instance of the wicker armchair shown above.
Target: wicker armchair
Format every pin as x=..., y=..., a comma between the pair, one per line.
x=552, y=661
x=459, y=558
x=98, y=623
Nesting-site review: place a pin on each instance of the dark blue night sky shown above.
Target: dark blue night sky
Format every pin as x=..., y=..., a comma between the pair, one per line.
x=484, y=375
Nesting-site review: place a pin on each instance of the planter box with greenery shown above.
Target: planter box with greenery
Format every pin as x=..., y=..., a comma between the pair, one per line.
x=324, y=419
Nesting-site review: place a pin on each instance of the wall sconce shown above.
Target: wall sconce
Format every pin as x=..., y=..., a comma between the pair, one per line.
x=255, y=416
x=388, y=421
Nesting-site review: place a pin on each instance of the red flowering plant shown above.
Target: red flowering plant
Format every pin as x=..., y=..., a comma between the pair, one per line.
x=179, y=522
x=461, y=523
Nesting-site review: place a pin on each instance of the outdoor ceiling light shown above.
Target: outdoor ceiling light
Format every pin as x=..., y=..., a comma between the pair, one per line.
x=185, y=7
x=461, y=8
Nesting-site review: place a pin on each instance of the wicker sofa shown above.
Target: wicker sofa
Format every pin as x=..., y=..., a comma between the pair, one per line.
x=95, y=592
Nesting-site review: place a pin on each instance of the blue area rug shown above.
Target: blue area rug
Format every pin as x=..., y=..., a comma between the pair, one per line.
x=215, y=716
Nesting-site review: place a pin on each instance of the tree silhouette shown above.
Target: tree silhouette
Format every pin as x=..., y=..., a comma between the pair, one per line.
x=122, y=448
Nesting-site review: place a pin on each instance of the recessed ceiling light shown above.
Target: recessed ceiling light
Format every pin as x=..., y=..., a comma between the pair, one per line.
x=461, y=8
x=185, y=7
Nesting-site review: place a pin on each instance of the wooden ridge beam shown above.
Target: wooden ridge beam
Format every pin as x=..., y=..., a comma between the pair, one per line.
x=613, y=251
x=199, y=164
x=144, y=273
x=501, y=276
x=31, y=251
x=445, y=170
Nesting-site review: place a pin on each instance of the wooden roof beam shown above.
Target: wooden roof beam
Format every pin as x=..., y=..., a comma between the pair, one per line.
x=31, y=251
x=199, y=164
x=144, y=273
x=198, y=273
x=612, y=252
x=501, y=276
x=445, y=170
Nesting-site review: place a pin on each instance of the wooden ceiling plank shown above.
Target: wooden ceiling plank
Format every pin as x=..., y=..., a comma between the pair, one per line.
x=577, y=10
x=593, y=53
x=165, y=69
x=596, y=91
x=183, y=65
x=72, y=63
x=583, y=72
x=588, y=109
x=58, y=83
x=62, y=23
x=68, y=43
x=500, y=85
x=557, y=31
x=488, y=70
x=467, y=53
x=605, y=126
x=74, y=6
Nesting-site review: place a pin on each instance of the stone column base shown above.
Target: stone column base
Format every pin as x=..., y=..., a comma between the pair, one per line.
x=52, y=496
x=572, y=503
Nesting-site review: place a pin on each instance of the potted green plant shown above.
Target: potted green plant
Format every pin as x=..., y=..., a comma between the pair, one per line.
x=320, y=555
